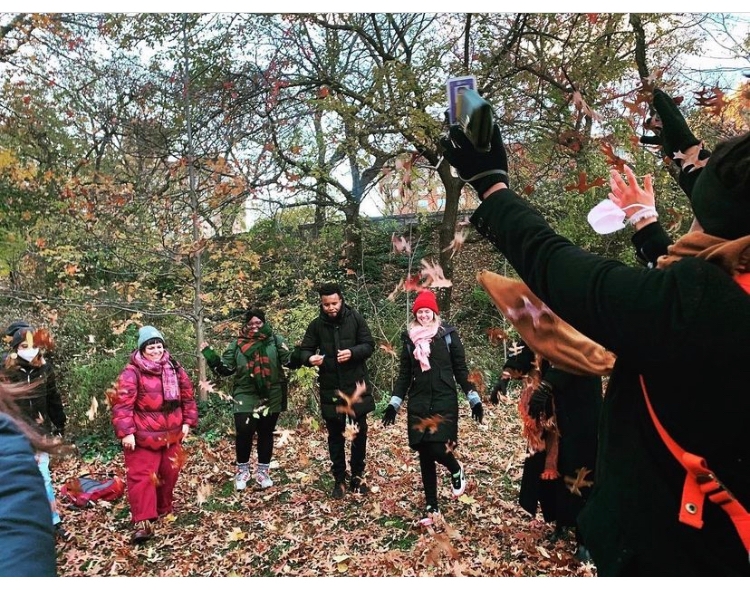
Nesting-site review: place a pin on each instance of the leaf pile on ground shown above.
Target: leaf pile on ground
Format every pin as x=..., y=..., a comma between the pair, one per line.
x=296, y=529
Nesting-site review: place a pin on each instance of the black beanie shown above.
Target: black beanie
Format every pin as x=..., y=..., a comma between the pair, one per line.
x=721, y=195
x=255, y=313
x=15, y=326
x=19, y=335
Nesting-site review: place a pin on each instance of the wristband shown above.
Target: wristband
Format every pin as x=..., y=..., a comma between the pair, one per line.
x=644, y=213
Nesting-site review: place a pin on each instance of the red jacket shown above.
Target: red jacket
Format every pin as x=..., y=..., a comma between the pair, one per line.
x=138, y=408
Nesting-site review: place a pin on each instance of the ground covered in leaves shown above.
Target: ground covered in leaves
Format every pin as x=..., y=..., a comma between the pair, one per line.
x=296, y=529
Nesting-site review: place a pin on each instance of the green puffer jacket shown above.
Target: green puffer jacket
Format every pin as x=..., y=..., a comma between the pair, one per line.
x=245, y=394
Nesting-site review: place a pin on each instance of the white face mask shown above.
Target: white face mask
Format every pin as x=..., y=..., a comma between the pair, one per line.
x=28, y=354
x=606, y=217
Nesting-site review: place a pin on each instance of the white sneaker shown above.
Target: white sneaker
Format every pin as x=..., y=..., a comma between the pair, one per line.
x=458, y=482
x=240, y=480
x=263, y=480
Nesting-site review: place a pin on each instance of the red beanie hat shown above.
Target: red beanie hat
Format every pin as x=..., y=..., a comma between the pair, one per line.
x=426, y=299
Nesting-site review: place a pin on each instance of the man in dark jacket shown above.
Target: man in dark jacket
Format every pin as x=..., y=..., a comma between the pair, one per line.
x=339, y=343
x=681, y=335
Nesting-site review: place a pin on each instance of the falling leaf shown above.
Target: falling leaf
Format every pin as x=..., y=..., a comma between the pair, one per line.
x=400, y=244
x=476, y=378
x=713, y=99
x=433, y=275
x=351, y=430
x=155, y=479
x=583, y=184
x=392, y=295
x=496, y=335
x=457, y=243
x=93, y=409
x=388, y=348
x=179, y=459
x=351, y=400
x=581, y=105
x=580, y=481
x=412, y=283
x=613, y=160
x=430, y=423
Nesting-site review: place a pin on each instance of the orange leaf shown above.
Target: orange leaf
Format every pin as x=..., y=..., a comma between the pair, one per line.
x=496, y=335
x=477, y=380
x=388, y=347
x=154, y=477
x=349, y=400
x=583, y=184
x=430, y=423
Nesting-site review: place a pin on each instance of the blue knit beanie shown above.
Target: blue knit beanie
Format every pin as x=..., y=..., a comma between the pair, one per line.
x=147, y=333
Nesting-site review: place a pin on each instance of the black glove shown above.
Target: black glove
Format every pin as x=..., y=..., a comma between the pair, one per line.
x=477, y=412
x=480, y=169
x=501, y=385
x=675, y=134
x=541, y=401
x=390, y=415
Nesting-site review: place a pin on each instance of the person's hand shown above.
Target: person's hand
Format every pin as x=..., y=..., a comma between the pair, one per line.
x=203, y=345
x=316, y=360
x=540, y=403
x=344, y=355
x=128, y=442
x=185, y=430
x=389, y=417
x=626, y=192
x=477, y=412
x=675, y=135
x=480, y=169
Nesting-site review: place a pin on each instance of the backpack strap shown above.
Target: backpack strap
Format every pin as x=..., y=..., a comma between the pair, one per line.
x=701, y=483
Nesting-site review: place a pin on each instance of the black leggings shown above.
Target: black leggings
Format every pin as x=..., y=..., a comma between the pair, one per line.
x=246, y=426
x=429, y=454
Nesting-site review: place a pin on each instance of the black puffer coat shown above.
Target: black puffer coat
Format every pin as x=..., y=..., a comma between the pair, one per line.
x=41, y=405
x=326, y=336
x=432, y=392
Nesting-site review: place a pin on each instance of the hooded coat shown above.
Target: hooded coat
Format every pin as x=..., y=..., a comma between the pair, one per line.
x=433, y=392
x=326, y=336
x=140, y=409
x=686, y=330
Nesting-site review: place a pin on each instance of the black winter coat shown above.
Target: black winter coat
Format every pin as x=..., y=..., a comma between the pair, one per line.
x=686, y=329
x=42, y=405
x=577, y=403
x=327, y=337
x=432, y=392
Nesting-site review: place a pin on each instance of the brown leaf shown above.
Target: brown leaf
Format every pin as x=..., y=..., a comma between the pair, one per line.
x=429, y=423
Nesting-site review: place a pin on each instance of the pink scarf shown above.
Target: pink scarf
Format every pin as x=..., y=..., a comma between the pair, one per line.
x=421, y=336
x=170, y=387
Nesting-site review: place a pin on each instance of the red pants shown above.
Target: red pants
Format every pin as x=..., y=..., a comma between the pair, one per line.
x=151, y=477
